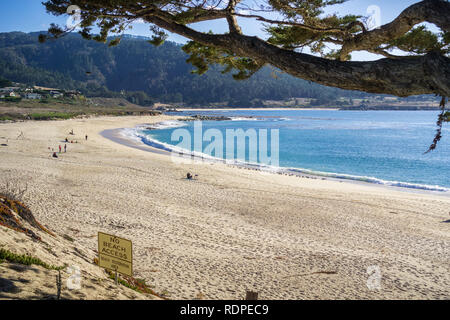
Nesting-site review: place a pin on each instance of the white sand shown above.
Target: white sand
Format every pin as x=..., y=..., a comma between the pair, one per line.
x=232, y=229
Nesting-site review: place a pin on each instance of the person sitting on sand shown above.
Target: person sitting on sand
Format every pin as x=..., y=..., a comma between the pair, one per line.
x=189, y=176
x=55, y=155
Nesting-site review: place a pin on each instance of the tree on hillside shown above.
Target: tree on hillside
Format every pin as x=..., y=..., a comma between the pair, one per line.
x=293, y=25
x=5, y=83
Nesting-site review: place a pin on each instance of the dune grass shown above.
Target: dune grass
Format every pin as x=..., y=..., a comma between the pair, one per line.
x=51, y=115
x=138, y=285
x=6, y=255
x=6, y=118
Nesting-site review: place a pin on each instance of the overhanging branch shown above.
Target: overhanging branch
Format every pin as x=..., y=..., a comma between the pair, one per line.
x=432, y=11
x=401, y=77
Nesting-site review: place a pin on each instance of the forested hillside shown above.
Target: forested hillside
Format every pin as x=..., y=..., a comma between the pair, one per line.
x=151, y=73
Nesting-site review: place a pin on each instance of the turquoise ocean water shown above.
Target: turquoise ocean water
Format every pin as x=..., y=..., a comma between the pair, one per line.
x=385, y=147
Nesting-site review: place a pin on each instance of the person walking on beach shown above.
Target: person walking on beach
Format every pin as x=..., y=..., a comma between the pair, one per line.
x=59, y=148
x=86, y=137
x=65, y=148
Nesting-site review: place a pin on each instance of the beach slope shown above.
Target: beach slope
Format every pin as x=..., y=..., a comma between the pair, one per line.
x=230, y=230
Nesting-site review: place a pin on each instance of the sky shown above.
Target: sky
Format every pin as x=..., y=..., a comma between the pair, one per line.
x=30, y=16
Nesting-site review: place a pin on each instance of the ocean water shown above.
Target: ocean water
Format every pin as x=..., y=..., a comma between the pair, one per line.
x=385, y=147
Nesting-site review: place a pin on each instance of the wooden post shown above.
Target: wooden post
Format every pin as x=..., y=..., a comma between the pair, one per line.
x=58, y=285
x=251, y=295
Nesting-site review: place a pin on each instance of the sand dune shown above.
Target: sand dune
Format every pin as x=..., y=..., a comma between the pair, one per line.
x=231, y=230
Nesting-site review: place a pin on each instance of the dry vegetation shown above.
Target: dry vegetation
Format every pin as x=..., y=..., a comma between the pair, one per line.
x=29, y=276
x=50, y=109
x=13, y=213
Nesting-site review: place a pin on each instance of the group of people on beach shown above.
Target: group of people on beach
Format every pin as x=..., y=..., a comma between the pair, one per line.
x=65, y=145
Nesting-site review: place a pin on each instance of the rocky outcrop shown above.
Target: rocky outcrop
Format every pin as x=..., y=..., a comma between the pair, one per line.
x=198, y=117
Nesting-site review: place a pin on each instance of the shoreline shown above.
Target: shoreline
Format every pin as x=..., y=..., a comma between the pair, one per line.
x=117, y=136
x=433, y=109
x=251, y=109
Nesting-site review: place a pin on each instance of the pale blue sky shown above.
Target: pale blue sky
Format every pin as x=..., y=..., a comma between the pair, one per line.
x=30, y=15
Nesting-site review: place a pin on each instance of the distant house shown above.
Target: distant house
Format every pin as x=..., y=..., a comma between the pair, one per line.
x=9, y=89
x=33, y=96
x=72, y=93
x=56, y=94
x=44, y=88
x=11, y=94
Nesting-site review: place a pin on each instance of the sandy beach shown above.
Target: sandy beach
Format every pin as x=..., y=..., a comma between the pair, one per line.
x=231, y=229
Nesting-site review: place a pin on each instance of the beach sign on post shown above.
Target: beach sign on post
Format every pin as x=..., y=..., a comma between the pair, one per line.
x=115, y=254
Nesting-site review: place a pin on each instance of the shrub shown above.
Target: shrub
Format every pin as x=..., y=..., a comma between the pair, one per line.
x=13, y=191
x=11, y=195
x=69, y=238
x=9, y=256
x=12, y=99
x=52, y=115
x=138, y=285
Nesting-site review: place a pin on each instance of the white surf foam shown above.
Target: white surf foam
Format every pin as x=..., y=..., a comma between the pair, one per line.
x=138, y=134
x=244, y=119
x=371, y=180
x=165, y=125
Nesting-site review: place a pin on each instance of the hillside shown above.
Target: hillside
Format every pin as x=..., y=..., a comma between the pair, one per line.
x=159, y=74
x=65, y=108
